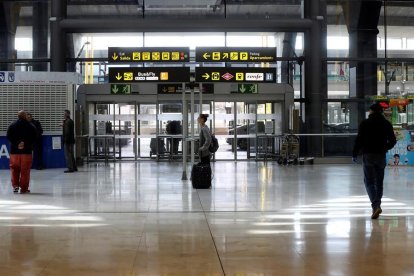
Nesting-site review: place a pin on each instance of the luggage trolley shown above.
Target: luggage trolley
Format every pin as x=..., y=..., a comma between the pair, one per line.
x=289, y=151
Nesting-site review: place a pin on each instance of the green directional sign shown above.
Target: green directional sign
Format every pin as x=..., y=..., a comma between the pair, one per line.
x=247, y=88
x=120, y=89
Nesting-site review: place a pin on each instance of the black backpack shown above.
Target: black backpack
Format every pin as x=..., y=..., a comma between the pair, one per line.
x=214, y=145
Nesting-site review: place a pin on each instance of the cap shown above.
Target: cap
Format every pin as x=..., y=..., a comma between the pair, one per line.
x=377, y=108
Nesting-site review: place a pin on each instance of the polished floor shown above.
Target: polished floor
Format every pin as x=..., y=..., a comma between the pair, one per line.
x=258, y=219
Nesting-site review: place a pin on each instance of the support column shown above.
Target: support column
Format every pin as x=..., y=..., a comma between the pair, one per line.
x=315, y=75
x=9, y=14
x=40, y=34
x=362, y=23
x=58, y=36
x=288, y=50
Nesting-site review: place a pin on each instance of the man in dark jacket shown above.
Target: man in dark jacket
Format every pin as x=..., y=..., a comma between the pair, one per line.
x=375, y=137
x=38, y=147
x=69, y=142
x=22, y=136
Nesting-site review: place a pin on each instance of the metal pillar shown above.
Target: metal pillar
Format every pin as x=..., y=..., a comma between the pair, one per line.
x=362, y=23
x=9, y=14
x=58, y=36
x=315, y=74
x=185, y=134
x=40, y=34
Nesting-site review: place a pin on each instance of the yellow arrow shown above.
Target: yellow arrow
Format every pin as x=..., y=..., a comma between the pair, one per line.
x=206, y=76
x=114, y=56
x=206, y=55
x=118, y=77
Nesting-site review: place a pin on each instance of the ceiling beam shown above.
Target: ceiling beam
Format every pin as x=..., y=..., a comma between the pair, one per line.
x=184, y=25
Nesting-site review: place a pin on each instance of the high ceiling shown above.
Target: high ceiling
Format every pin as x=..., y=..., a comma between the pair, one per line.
x=399, y=13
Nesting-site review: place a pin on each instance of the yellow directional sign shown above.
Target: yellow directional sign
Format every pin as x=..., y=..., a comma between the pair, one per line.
x=239, y=76
x=175, y=56
x=216, y=55
x=215, y=76
x=136, y=56
x=165, y=55
x=148, y=54
x=206, y=76
x=148, y=74
x=156, y=56
x=164, y=76
x=234, y=56
x=128, y=76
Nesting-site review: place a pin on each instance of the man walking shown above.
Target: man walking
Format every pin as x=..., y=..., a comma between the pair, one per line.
x=375, y=137
x=69, y=142
x=38, y=147
x=22, y=136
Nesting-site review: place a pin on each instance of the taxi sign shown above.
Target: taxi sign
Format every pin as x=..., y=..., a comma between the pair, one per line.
x=235, y=74
x=148, y=74
x=232, y=54
x=148, y=54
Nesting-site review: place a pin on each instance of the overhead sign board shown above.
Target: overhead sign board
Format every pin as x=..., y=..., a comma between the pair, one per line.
x=120, y=89
x=148, y=54
x=148, y=74
x=233, y=54
x=235, y=74
x=247, y=88
x=170, y=88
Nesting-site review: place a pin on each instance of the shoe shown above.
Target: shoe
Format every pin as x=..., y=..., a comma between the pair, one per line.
x=25, y=192
x=69, y=171
x=75, y=170
x=16, y=190
x=376, y=213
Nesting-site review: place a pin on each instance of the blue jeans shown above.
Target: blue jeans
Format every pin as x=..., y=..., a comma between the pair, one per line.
x=374, y=165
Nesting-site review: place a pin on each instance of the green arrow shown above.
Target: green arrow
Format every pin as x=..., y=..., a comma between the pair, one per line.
x=242, y=88
x=115, y=89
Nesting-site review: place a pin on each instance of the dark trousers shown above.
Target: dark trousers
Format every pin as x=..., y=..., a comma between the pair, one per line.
x=374, y=165
x=38, y=155
x=70, y=156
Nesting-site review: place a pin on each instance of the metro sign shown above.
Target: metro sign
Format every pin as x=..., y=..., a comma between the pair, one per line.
x=227, y=76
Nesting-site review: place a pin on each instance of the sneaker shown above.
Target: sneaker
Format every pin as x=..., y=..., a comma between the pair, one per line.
x=16, y=190
x=25, y=192
x=376, y=213
x=68, y=171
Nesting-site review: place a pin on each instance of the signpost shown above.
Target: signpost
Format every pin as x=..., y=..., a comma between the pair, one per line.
x=247, y=88
x=148, y=54
x=120, y=89
x=235, y=74
x=232, y=54
x=170, y=88
x=148, y=74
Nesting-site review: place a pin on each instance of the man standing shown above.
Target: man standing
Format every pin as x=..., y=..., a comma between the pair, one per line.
x=69, y=142
x=375, y=137
x=38, y=147
x=22, y=136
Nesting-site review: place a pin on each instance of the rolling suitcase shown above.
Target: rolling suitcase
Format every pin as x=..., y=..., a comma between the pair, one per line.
x=201, y=176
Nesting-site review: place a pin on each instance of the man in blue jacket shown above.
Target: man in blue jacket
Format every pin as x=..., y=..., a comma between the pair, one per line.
x=375, y=137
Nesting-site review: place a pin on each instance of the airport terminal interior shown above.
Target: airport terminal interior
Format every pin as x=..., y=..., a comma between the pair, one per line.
x=285, y=83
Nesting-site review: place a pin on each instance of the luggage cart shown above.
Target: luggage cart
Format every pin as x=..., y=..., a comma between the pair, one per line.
x=289, y=151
